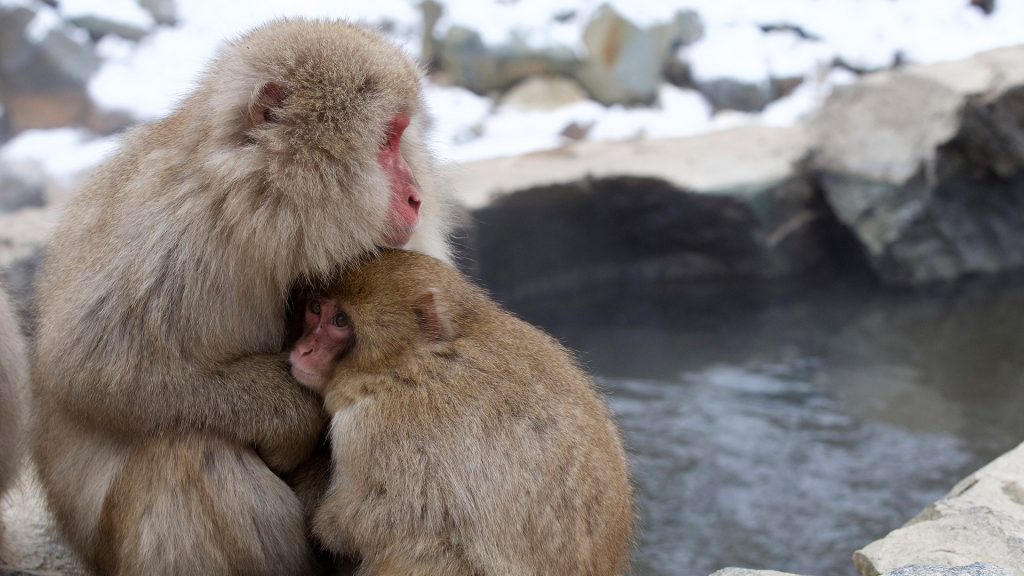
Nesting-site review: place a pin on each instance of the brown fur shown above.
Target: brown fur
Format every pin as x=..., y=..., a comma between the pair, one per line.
x=13, y=391
x=465, y=441
x=162, y=304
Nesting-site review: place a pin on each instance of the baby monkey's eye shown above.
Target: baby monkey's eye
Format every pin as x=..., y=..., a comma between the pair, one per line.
x=314, y=307
x=340, y=320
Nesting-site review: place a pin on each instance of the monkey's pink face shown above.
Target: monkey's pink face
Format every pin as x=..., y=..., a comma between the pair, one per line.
x=326, y=335
x=404, y=206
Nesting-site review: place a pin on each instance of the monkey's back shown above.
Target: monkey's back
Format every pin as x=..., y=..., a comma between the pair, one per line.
x=13, y=380
x=499, y=448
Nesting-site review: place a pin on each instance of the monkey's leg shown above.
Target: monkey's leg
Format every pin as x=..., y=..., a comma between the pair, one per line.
x=200, y=505
x=417, y=559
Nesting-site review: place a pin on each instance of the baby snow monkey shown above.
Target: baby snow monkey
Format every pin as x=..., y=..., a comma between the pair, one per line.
x=465, y=441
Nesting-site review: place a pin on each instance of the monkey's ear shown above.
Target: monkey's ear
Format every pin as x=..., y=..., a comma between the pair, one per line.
x=433, y=315
x=265, y=103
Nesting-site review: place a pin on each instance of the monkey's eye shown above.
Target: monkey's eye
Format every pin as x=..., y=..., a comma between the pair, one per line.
x=340, y=320
x=314, y=307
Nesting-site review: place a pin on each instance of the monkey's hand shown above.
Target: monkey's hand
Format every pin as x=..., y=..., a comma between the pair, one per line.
x=293, y=419
x=295, y=434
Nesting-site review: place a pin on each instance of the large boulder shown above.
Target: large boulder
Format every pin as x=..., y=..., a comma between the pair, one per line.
x=23, y=238
x=749, y=572
x=725, y=206
x=980, y=520
x=976, y=569
x=926, y=167
x=22, y=185
x=543, y=93
x=44, y=70
x=471, y=63
x=164, y=12
x=625, y=62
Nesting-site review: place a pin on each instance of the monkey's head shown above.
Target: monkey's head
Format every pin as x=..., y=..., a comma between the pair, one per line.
x=324, y=120
x=391, y=310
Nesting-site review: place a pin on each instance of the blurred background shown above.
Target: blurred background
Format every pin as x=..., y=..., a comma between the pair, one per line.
x=784, y=235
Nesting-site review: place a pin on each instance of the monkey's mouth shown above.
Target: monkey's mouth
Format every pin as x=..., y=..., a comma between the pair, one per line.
x=398, y=237
x=308, y=379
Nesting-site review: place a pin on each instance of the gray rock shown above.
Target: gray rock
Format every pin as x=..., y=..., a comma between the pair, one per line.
x=732, y=94
x=164, y=12
x=749, y=572
x=976, y=569
x=926, y=167
x=15, y=50
x=69, y=59
x=543, y=93
x=43, y=84
x=98, y=27
x=724, y=206
x=21, y=186
x=625, y=63
x=481, y=68
x=980, y=520
x=432, y=12
x=23, y=238
x=986, y=6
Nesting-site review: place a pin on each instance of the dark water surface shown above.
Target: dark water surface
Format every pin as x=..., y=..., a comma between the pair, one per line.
x=786, y=433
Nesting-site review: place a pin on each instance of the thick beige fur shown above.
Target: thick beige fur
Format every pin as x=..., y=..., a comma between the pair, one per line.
x=465, y=442
x=165, y=404
x=13, y=399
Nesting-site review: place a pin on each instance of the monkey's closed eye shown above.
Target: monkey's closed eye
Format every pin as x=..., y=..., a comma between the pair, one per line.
x=340, y=320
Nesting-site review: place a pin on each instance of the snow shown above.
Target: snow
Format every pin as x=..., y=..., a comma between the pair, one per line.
x=149, y=81
x=62, y=152
x=45, y=21
x=807, y=98
x=147, y=78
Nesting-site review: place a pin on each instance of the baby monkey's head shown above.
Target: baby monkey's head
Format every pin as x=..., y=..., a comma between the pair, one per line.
x=386, y=310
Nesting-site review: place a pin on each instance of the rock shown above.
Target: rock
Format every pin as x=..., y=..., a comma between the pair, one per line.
x=986, y=6
x=980, y=520
x=164, y=12
x=68, y=59
x=98, y=27
x=21, y=186
x=23, y=238
x=481, y=68
x=732, y=94
x=43, y=84
x=543, y=93
x=576, y=131
x=977, y=569
x=926, y=167
x=723, y=206
x=749, y=572
x=624, y=62
x=678, y=72
x=432, y=12
x=14, y=49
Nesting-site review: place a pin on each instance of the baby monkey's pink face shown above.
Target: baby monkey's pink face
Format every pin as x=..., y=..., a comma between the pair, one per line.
x=326, y=335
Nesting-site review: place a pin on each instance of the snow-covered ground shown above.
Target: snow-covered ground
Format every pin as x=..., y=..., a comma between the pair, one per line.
x=148, y=77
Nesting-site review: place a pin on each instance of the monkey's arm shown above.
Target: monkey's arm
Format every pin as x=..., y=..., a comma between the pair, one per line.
x=253, y=400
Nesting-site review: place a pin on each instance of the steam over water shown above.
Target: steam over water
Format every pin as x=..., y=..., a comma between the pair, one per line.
x=787, y=434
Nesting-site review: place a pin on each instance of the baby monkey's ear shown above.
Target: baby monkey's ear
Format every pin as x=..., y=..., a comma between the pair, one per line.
x=265, y=103
x=433, y=315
